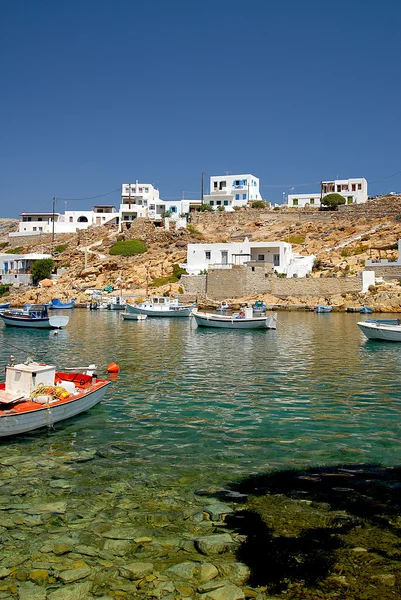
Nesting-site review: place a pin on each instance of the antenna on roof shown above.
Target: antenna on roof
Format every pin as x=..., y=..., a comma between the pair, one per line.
x=227, y=172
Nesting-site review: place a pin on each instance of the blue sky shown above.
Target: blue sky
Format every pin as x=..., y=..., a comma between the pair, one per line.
x=98, y=93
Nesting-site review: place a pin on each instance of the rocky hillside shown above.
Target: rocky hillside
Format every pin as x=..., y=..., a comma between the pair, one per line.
x=341, y=241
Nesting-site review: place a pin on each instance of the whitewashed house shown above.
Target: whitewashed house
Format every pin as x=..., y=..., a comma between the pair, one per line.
x=229, y=191
x=143, y=200
x=16, y=268
x=69, y=222
x=355, y=191
x=200, y=257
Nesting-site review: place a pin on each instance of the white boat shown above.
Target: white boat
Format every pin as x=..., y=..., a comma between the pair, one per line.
x=116, y=303
x=133, y=317
x=33, y=315
x=388, y=330
x=36, y=395
x=160, y=306
x=224, y=306
x=242, y=320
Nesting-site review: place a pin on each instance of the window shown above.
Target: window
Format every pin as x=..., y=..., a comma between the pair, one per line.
x=261, y=257
x=34, y=228
x=353, y=187
x=236, y=182
x=359, y=186
x=237, y=196
x=245, y=182
x=295, y=202
x=146, y=190
x=222, y=185
x=244, y=196
x=218, y=202
x=40, y=228
x=208, y=255
x=276, y=260
x=339, y=188
x=345, y=187
x=225, y=202
x=151, y=207
x=215, y=185
x=71, y=219
x=211, y=202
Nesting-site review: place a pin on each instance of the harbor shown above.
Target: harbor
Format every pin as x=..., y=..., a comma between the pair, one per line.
x=152, y=474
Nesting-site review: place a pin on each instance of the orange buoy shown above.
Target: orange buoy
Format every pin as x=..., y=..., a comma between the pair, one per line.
x=113, y=368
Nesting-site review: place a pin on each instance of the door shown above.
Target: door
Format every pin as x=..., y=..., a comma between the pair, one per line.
x=224, y=257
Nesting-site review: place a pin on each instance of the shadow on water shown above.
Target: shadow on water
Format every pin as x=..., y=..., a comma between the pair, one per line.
x=299, y=525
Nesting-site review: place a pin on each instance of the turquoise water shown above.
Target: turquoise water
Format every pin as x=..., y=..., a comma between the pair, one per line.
x=208, y=406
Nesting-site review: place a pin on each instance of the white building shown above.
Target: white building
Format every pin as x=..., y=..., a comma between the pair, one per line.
x=279, y=254
x=16, y=268
x=355, y=191
x=143, y=200
x=69, y=222
x=229, y=191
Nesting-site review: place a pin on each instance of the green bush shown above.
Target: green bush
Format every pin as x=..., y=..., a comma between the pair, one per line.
x=4, y=289
x=41, y=269
x=128, y=248
x=221, y=208
x=166, y=214
x=17, y=250
x=346, y=252
x=60, y=248
x=204, y=208
x=176, y=276
x=317, y=263
x=296, y=239
x=194, y=231
x=3, y=245
x=331, y=201
x=258, y=204
x=236, y=208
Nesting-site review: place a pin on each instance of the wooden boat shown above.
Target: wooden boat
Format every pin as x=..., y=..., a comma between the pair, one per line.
x=388, y=330
x=116, y=303
x=259, y=308
x=133, y=317
x=56, y=303
x=242, y=320
x=323, y=308
x=224, y=306
x=160, y=306
x=36, y=395
x=33, y=315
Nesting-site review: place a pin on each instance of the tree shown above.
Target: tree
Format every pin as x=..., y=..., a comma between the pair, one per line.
x=259, y=204
x=41, y=269
x=204, y=208
x=331, y=201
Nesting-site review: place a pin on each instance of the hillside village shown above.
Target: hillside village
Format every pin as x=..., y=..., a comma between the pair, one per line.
x=341, y=242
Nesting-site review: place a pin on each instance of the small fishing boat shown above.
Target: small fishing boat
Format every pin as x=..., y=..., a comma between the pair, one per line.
x=242, y=320
x=33, y=315
x=133, y=317
x=4, y=306
x=323, y=308
x=56, y=303
x=259, y=308
x=224, y=306
x=116, y=303
x=35, y=395
x=366, y=310
x=160, y=306
x=388, y=330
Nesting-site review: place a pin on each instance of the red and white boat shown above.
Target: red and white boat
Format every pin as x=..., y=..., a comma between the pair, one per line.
x=36, y=395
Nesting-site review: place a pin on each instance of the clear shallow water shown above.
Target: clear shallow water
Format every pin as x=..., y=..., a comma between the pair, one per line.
x=205, y=407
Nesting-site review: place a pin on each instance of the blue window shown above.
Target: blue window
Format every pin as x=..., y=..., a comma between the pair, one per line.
x=237, y=196
x=244, y=196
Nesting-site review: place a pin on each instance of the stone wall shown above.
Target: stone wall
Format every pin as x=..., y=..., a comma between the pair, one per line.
x=240, y=282
x=385, y=272
x=194, y=284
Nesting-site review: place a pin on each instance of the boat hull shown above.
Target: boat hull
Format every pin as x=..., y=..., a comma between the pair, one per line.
x=133, y=317
x=223, y=322
x=56, y=322
x=62, y=305
x=177, y=311
x=13, y=423
x=389, y=331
